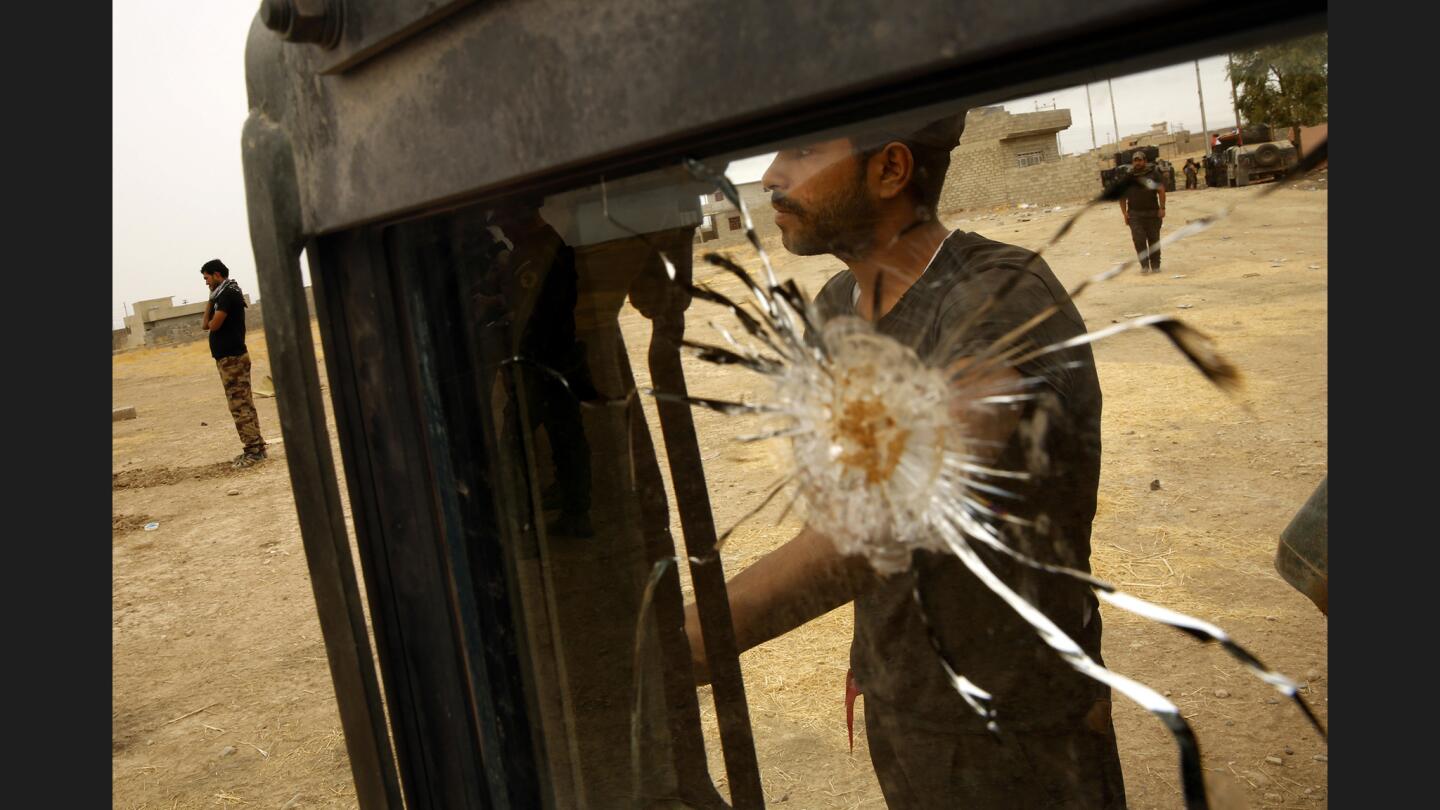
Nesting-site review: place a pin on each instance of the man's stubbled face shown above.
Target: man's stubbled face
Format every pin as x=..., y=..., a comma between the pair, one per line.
x=821, y=201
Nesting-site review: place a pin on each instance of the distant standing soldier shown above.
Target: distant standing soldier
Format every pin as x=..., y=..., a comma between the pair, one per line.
x=1192, y=174
x=1143, y=207
x=225, y=321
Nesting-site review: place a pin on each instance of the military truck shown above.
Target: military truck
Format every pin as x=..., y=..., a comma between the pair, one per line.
x=1261, y=161
x=1217, y=171
x=1152, y=157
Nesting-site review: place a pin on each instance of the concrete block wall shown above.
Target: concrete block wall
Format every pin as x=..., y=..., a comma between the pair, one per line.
x=182, y=329
x=988, y=177
x=182, y=324
x=985, y=124
x=1072, y=179
x=255, y=317
x=976, y=178
x=1053, y=120
x=255, y=313
x=985, y=169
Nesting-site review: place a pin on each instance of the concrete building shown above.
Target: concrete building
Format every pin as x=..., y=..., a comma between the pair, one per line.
x=721, y=225
x=1005, y=159
x=1180, y=143
x=159, y=322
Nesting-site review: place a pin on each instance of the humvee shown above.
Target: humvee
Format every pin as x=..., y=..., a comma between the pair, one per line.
x=1261, y=161
x=1217, y=171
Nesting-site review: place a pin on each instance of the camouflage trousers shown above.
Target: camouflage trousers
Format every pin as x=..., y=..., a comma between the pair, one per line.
x=235, y=375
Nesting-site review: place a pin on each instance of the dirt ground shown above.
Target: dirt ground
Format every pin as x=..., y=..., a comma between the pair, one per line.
x=221, y=691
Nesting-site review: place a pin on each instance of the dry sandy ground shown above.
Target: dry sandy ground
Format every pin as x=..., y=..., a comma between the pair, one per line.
x=221, y=690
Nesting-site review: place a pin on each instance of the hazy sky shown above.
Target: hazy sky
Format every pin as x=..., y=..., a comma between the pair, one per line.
x=179, y=104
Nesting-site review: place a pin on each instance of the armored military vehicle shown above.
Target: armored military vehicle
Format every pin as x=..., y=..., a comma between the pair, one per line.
x=1152, y=157
x=1252, y=163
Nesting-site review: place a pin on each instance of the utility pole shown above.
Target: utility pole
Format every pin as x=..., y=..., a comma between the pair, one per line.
x=1114, y=118
x=1201, y=91
x=1239, y=130
x=1090, y=111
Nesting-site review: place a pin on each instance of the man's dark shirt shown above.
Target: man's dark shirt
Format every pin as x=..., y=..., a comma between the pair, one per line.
x=1142, y=200
x=229, y=339
x=987, y=642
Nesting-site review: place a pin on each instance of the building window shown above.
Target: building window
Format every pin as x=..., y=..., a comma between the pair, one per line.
x=1029, y=158
x=734, y=223
x=717, y=196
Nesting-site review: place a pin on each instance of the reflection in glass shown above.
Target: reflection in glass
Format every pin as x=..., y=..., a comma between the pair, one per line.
x=937, y=408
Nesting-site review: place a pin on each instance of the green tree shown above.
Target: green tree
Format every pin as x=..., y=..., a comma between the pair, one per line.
x=1285, y=85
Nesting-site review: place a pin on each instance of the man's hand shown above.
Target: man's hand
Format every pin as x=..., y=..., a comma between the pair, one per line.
x=1127, y=218
x=698, y=665
x=1162, y=213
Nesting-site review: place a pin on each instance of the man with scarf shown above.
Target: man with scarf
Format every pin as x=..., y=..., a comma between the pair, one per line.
x=225, y=321
x=1143, y=207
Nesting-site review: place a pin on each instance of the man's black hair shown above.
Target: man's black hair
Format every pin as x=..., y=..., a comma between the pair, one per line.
x=215, y=266
x=930, y=146
x=931, y=166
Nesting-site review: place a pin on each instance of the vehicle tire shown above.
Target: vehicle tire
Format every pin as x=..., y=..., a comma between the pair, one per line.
x=1267, y=154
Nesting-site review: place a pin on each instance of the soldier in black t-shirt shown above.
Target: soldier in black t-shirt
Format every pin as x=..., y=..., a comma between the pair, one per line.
x=870, y=201
x=225, y=321
x=1143, y=208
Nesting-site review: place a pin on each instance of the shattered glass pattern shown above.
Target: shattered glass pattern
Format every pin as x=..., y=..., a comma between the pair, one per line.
x=883, y=467
x=880, y=457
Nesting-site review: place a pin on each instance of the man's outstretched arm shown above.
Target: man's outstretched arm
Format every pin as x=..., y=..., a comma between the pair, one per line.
x=799, y=581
